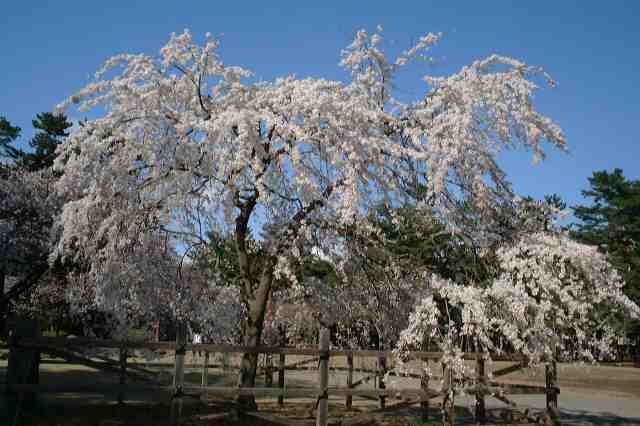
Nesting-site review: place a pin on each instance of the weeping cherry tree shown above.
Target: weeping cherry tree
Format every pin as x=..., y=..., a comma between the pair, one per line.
x=291, y=162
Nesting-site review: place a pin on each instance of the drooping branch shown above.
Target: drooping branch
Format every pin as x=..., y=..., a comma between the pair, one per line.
x=27, y=282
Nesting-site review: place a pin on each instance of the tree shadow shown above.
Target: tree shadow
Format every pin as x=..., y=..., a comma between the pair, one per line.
x=580, y=418
x=79, y=405
x=506, y=416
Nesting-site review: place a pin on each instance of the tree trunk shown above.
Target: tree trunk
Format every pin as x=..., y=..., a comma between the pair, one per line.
x=3, y=306
x=23, y=366
x=249, y=364
x=252, y=335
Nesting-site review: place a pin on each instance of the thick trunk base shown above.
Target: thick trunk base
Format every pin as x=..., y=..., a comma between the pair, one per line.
x=247, y=379
x=23, y=366
x=249, y=367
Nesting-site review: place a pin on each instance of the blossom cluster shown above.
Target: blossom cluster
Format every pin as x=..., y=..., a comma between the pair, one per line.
x=555, y=299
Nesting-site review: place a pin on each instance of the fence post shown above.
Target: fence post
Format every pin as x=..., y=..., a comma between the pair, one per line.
x=281, y=361
x=178, y=375
x=322, y=416
x=424, y=386
x=551, y=382
x=382, y=370
x=448, y=402
x=281, y=378
x=205, y=370
x=480, y=380
x=123, y=374
x=268, y=370
x=349, y=398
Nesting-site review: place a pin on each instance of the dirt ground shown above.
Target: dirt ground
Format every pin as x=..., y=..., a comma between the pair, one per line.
x=201, y=414
x=610, y=380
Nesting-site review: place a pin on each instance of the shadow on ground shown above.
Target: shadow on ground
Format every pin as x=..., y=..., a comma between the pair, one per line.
x=464, y=416
x=584, y=418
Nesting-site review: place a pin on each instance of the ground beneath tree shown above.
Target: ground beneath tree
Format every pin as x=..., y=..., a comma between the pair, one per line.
x=196, y=413
x=295, y=413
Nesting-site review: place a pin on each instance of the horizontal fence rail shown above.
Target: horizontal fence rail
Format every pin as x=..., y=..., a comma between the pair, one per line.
x=190, y=390
x=265, y=391
x=44, y=342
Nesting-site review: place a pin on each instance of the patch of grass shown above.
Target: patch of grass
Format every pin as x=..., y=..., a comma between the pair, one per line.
x=137, y=334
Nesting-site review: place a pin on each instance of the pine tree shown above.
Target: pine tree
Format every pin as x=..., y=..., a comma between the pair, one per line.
x=8, y=135
x=612, y=223
x=52, y=129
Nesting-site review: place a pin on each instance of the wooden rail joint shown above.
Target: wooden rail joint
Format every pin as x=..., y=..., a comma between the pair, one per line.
x=553, y=390
x=324, y=356
x=323, y=395
x=181, y=349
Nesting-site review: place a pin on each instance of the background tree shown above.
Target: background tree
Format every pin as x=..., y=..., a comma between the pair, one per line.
x=8, y=135
x=28, y=206
x=612, y=223
x=51, y=131
x=387, y=269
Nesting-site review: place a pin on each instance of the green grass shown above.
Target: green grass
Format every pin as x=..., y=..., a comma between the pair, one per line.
x=427, y=423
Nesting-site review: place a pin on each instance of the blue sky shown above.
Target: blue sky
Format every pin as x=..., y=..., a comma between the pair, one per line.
x=50, y=49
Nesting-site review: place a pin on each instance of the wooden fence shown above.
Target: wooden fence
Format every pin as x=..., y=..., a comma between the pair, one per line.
x=64, y=348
